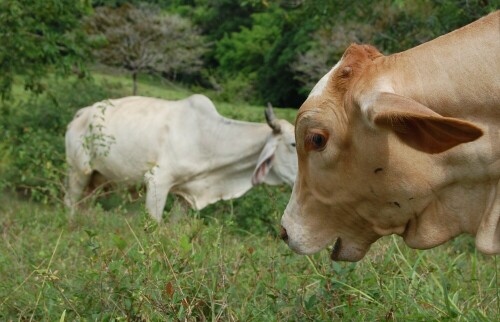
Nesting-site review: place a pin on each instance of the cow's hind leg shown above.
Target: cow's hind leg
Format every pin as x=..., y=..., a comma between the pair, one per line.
x=179, y=209
x=157, y=187
x=77, y=182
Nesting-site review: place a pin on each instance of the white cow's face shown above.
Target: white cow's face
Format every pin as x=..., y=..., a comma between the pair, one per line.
x=366, y=163
x=285, y=158
x=277, y=162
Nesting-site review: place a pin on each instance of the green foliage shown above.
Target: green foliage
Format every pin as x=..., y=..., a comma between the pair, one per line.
x=402, y=25
x=150, y=85
x=276, y=51
x=277, y=81
x=39, y=36
x=219, y=18
x=32, y=137
x=238, y=89
x=242, y=54
x=119, y=3
x=244, y=50
x=259, y=57
x=251, y=50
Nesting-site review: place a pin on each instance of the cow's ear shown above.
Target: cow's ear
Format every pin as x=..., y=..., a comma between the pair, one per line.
x=418, y=126
x=265, y=161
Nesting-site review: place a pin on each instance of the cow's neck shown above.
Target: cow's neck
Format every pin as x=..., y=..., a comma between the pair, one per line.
x=226, y=168
x=472, y=208
x=453, y=77
x=238, y=143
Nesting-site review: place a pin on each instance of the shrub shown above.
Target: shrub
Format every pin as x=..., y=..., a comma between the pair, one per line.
x=32, y=130
x=238, y=89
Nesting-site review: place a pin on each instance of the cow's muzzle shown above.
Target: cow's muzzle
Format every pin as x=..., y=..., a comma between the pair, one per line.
x=346, y=251
x=283, y=234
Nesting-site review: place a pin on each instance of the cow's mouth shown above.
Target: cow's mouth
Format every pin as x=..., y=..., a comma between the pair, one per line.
x=348, y=250
x=336, y=249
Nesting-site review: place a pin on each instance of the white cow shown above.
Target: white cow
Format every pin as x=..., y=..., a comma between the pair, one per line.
x=184, y=147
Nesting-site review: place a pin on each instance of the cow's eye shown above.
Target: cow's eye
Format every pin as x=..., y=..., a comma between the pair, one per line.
x=292, y=144
x=316, y=141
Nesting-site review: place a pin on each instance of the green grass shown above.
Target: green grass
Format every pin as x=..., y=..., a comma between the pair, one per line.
x=148, y=85
x=120, y=264
x=223, y=263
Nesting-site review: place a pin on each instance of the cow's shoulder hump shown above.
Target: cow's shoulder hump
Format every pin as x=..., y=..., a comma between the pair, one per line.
x=352, y=67
x=200, y=105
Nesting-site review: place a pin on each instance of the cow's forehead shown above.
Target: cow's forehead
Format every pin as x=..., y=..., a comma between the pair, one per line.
x=312, y=106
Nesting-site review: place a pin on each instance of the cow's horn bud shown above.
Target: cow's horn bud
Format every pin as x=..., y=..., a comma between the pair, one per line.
x=271, y=119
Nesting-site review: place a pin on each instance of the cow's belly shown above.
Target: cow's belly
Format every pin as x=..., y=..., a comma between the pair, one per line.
x=120, y=174
x=125, y=165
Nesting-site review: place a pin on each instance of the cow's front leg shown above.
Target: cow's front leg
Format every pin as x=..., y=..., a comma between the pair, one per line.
x=157, y=187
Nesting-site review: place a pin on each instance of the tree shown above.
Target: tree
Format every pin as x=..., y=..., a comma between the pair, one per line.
x=40, y=36
x=139, y=39
x=260, y=56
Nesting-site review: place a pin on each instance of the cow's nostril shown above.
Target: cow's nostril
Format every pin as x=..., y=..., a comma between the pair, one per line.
x=283, y=234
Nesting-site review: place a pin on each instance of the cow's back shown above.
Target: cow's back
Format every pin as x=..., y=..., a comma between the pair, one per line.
x=124, y=138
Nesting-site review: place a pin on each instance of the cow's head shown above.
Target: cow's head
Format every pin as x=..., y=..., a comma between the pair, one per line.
x=367, y=162
x=277, y=163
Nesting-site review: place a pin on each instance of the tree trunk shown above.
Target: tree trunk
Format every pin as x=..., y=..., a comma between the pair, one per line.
x=134, y=80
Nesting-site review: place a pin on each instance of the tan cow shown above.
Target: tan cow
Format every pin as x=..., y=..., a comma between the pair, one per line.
x=405, y=144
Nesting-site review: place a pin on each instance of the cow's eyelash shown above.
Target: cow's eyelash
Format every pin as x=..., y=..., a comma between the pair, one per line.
x=316, y=140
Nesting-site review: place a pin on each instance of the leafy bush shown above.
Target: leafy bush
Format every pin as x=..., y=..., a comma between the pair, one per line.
x=238, y=89
x=241, y=54
x=39, y=36
x=32, y=131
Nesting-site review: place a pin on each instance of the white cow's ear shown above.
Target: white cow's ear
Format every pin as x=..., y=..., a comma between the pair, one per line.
x=265, y=161
x=417, y=125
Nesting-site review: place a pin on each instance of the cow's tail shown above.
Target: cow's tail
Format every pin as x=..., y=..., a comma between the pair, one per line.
x=77, y=154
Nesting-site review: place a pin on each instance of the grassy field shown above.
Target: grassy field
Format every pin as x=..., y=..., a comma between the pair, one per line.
x=224, y=263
